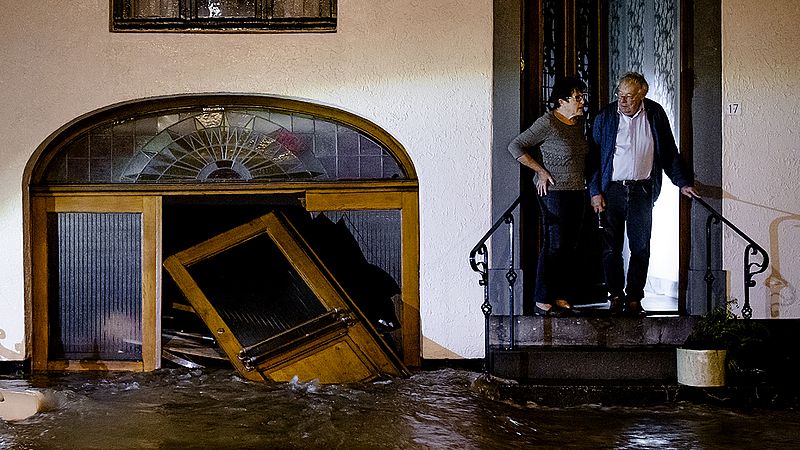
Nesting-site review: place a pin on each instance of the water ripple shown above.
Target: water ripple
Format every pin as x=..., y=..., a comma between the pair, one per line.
x=179, y=408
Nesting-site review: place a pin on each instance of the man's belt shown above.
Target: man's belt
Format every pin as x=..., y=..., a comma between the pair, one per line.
x=633, y=182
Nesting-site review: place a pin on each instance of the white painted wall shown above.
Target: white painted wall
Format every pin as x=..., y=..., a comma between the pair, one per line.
x=421, y=70
x=761, y=153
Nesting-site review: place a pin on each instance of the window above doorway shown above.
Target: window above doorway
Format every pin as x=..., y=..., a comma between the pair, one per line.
x=223, y=15
x=221, y=144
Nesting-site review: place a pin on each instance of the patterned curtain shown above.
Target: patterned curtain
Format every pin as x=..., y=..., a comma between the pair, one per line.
x=643, y=37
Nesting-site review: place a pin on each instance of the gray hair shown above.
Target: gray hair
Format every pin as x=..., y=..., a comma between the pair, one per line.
x=636, y=79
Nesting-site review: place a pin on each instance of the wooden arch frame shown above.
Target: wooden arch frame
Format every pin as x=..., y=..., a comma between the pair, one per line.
x=40, y=198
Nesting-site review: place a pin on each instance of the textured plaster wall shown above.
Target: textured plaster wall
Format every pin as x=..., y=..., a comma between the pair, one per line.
x=761, y=154
x=421, y=70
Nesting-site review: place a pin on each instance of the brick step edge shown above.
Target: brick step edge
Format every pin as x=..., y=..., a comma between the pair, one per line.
x=499, y=349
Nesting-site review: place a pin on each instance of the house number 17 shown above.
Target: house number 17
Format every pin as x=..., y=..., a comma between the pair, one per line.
x=733, y=109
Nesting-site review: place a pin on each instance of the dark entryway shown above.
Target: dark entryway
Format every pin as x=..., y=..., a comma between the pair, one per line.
x=274, y=297
x=598, y=41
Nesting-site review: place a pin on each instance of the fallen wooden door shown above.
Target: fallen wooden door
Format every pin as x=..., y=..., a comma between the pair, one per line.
x=276, y=310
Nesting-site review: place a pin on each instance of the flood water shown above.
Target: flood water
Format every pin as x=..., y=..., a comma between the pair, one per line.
x=182, y=408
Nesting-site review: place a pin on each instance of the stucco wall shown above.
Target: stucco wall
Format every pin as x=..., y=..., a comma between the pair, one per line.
x=421, y=70
x=761, y=154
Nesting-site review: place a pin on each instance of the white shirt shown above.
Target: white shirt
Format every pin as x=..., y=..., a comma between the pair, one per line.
x=634, y=149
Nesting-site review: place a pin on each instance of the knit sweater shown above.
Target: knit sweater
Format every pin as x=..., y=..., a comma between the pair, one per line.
x=562, y=150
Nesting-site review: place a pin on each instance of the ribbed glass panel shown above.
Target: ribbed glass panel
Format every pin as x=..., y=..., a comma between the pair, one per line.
x=363, y=251
x=378, y=233
x=95, y=286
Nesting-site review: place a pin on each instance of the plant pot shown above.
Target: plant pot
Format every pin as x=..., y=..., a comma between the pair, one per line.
x=702, y=368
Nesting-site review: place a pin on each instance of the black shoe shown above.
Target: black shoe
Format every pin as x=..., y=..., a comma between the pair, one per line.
x=634, y=309
x=616, y=307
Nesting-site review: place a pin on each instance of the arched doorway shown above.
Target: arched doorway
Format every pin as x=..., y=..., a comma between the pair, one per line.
x=106, y=200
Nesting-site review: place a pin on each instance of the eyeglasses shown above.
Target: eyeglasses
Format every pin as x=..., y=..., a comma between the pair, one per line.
x=626, y=97
x=578, y=98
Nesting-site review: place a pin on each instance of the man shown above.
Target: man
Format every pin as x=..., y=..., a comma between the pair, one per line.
x=633, y=144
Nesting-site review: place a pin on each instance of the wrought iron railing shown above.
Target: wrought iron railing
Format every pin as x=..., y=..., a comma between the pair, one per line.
x=750, y=268
x=482, y=267
x=479, y=261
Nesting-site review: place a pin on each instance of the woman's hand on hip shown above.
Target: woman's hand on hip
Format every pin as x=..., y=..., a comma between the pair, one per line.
x=543, y=179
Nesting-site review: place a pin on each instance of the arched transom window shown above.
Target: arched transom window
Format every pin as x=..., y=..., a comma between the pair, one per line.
x=221, y=144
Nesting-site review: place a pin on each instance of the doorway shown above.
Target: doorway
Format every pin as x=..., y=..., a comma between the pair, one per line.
x=598, y=41
x=178, y=169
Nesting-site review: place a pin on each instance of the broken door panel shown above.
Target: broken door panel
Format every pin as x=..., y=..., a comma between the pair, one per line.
x=275, y=309
x=343, y=249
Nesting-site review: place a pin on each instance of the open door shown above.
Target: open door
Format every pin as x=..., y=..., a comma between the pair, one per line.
x=275, y=309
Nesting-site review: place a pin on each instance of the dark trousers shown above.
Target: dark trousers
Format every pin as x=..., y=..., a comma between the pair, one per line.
x=562, y=215
x=628, y=209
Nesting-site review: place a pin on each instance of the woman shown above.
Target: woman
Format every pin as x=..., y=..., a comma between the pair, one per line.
x=560, y=166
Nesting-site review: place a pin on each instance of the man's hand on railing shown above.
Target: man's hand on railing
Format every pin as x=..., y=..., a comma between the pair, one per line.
x=690, y=191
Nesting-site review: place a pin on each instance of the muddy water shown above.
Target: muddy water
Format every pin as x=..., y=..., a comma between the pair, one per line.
x=184, y=408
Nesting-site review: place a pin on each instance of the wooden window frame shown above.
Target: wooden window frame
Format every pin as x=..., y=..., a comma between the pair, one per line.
x=187, y=21
x=373, y=195
x=150, y=209
x=408, y=204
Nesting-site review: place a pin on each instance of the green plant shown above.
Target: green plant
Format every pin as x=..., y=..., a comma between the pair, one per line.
x=721, y=329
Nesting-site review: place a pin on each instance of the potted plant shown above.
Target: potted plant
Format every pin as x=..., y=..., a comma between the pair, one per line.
x=720, y=344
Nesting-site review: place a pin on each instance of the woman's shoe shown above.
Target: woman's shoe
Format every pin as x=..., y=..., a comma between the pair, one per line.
x=563, y=308
x=560, y=311
x=541, y=309
x=561, y=303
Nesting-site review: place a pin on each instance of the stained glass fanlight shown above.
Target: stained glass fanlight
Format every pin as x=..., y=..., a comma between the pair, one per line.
x=221, y=145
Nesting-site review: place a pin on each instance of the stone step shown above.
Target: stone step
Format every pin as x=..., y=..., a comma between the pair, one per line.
x=567, y=393
x=539, y=363
x=602, y=331
x=625, y=361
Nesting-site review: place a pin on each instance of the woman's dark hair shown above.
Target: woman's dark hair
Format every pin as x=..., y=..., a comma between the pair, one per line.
x=563, y=89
